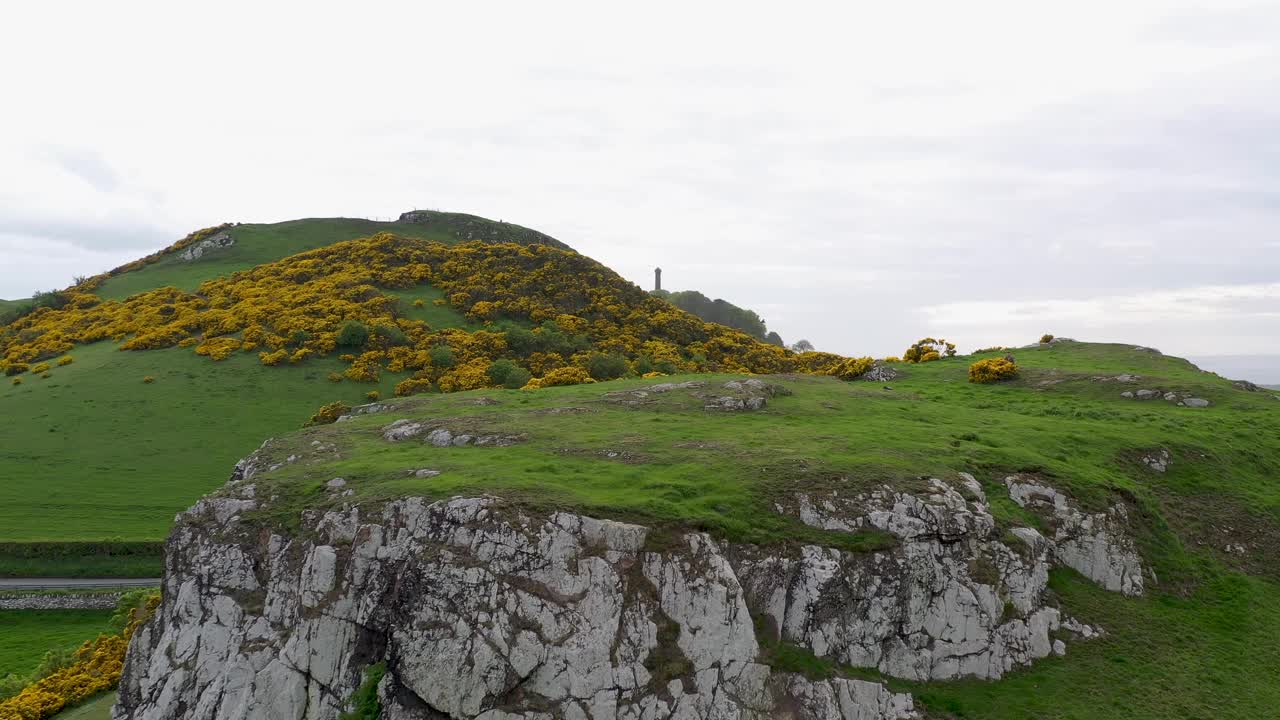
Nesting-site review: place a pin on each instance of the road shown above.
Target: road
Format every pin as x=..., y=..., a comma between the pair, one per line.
x=56, y=583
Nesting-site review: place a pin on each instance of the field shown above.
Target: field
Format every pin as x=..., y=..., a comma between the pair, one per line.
x=26, y=635
x=1196, y=647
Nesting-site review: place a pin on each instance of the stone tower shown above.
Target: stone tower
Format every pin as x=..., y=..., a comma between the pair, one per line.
x=657, y=278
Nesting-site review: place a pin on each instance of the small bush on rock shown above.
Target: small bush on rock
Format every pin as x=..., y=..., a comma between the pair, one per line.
x=852, y=368
x=1046, y=339
x=992, y=370
x=328, y=414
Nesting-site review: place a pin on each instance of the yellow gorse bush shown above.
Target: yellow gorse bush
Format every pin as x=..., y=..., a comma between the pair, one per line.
x=992, y=370
x=291, y=310
x=97, y=668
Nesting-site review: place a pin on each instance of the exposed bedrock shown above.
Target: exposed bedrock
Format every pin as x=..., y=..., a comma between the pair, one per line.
x=483, y=610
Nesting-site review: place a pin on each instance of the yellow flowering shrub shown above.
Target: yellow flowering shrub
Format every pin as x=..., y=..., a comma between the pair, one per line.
x=17, y=381
x=97, y=667
x=1046, y=339
x=328, y=414
x=65, y=360
x=273, y=358
x=470, y=376
x=564, y=308
x=852, y=368
x=992, y=370
x=16, y=368
x=928, y=350
x=560, y=376
x=219, y=348
x=41, y=368
x=413, y=386
x=893, y=359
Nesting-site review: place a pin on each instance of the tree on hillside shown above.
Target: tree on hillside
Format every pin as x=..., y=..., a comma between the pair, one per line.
x=802, y=346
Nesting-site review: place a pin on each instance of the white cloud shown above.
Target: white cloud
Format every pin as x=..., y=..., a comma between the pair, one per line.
x=836, y=166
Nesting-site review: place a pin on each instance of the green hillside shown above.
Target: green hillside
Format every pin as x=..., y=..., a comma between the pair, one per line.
x=256, y=244
x=1203, y=643
x=113, y=443
x=720, y=311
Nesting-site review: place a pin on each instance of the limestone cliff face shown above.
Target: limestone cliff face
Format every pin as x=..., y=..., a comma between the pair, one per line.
x=483, y=610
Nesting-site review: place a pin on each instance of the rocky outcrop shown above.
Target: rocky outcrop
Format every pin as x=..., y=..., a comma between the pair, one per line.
x=481, y=609
x=953, y=600
x=198, y=250
x=1094, y=544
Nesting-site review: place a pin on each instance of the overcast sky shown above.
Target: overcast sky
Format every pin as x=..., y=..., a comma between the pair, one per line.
x=861, y=174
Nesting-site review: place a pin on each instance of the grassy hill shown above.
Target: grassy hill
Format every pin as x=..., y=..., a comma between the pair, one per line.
x=243, y=342
x=1204, y=642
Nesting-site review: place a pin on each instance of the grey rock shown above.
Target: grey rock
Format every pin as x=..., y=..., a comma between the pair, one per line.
x=198, y=250
x=336, y=483
x=1146, y=394
x=466, y=599
x=1126, y=394
x=402, y=430
x=440, y=437
x=1094, y=544
x=1196, y=402
x=425, y=473
x=1158, y=461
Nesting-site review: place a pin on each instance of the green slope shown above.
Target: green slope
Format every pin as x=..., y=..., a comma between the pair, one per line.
x=26, y=635
x=1205, y=642
x=256, y=244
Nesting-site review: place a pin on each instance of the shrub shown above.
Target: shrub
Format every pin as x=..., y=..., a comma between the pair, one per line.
x=16, y=368
x=642, y=365
x=273, y=358
x=413, y=386
x=389, y=336
x=148, y=379
x=893, y=359
x=41, y=368
x=469, y=376
x=335, y=377
x=499, y=370
x=218, y=348
x=666, y=367
x=65, y=360
x=928, y=349
x=606, y=367
x=560, y=376
x=373, y=395
x=352, y=334
x=364, y=702
x=1046, y=339
x=441, y=356
x=852, y=368
x=418, y=303
x=44, y=376
x=95, y=667
x=992, y=370
x=328, y=414
x=362, y=372
x=17, y=381
x=517, y=379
